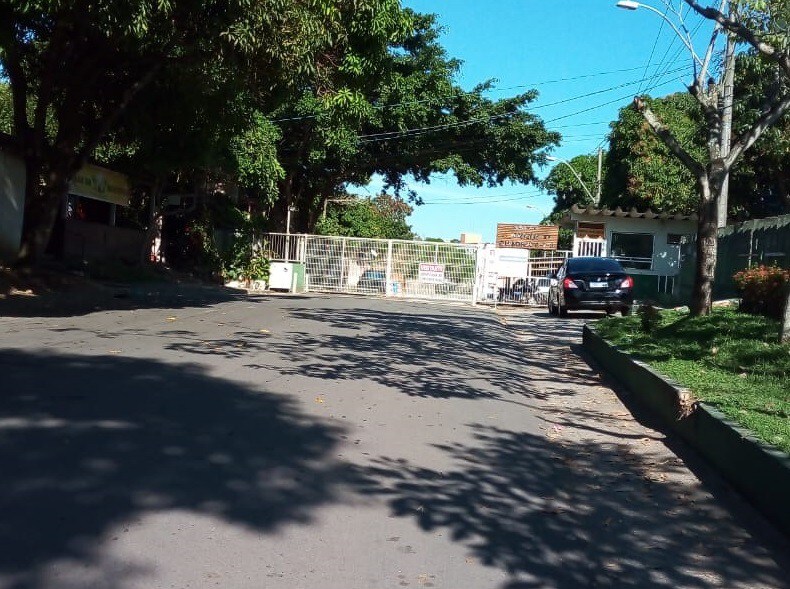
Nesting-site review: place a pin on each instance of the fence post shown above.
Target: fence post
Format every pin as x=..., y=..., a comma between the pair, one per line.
x=342, y=261
x=476, y=276
x=388, y=273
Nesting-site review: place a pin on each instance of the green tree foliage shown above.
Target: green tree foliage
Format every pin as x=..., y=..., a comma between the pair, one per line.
x=83, y=64
x=398, y=112
x=642, y=172
x=6, y=109
x=564, y=186
x=763, y=25
x=381, y=217
x=255, y=157
x=760, y=183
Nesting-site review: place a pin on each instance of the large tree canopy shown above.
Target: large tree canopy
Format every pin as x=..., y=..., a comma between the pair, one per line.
x=399, y=113
x=642, y=172
x=292, y=100
x=80, y=65
x=762, y=25
x=760, y=184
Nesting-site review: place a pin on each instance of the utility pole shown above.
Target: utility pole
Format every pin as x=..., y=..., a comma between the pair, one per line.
x=598, y=184
x=727, y=101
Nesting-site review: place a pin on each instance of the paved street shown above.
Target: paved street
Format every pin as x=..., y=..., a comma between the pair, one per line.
x=341, y=443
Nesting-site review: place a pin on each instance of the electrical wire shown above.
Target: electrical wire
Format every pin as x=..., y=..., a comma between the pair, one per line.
x=434, y=98
x=383, y=136
x=650, y=59
x=477, y=202
x=484, y=198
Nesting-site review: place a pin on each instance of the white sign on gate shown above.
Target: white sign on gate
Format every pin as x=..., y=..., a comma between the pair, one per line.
x=431, y=273
x=512, y=262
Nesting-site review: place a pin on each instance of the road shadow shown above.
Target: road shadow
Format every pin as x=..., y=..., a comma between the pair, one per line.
x=453, y=353
x=86, y=298
x=89, y=443
x=561, y=514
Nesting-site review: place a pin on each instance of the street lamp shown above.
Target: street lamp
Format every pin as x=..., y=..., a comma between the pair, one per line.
x=632, y=5
x=551, y=158
x=539, y=209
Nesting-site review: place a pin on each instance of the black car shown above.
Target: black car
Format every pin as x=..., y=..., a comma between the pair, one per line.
x=591, y=284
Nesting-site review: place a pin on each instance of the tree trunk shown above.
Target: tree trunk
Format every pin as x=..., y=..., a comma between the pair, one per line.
x=42, y=207
x=702, y=296
x=784, y=328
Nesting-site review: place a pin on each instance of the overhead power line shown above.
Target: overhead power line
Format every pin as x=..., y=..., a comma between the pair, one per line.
x=434, y=98
x=383, y=136
x=482, y=201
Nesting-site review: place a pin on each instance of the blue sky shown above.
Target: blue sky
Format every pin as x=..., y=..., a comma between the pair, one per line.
x=532, y=44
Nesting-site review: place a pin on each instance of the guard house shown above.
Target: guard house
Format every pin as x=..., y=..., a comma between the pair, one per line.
x=647, y=244
x=91, y=231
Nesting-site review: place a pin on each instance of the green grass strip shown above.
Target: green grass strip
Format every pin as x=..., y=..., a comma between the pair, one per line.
x=730, y=360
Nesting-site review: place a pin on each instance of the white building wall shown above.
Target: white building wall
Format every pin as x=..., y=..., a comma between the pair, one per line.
x=666, y=258
x=12, y=204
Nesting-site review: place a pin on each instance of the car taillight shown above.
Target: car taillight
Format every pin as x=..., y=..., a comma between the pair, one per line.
x=568, y=283
x=627, y=282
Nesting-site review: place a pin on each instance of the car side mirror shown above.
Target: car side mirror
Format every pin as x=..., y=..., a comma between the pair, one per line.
x=553, y=276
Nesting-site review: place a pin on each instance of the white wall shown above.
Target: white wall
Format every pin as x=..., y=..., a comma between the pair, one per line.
x=12, y=200
x=665, y=257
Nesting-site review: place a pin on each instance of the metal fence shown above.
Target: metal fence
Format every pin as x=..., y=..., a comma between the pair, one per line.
x=417, y=269
x=525, y=283
x=410, y=269
x=740, y=246
x=760, y=241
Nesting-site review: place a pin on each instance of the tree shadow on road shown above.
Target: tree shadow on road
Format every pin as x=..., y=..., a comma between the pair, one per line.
x=89, y=443
x=560, y=514
x=94, y=297
x=446, y=354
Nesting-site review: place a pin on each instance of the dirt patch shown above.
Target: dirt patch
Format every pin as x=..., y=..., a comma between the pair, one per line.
x=40, y=290
x=32, y=283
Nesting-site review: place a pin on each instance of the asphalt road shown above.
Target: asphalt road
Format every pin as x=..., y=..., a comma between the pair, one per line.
x=209, y=440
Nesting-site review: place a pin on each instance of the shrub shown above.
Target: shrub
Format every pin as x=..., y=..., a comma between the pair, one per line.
x=649, y=317
x=763, y=290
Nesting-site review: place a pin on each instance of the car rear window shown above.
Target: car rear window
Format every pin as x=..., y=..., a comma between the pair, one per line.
x=594, y=265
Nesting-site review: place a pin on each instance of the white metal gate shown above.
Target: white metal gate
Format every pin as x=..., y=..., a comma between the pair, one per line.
x=387, y=267
x=523, y=281
x=417, y=269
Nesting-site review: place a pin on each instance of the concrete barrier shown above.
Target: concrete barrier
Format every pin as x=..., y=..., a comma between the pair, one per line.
x=759, y=472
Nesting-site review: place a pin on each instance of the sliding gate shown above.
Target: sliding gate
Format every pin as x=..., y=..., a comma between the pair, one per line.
x=418, y=269
x=385, y=267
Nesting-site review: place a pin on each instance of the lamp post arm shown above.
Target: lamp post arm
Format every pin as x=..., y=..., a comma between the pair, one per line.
x=579, y=178
x=684, y=38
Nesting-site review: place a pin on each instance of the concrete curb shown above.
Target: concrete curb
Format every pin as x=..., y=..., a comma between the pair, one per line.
x=759, y=472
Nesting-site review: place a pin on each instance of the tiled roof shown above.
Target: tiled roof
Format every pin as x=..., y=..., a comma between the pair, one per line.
x=592, y=211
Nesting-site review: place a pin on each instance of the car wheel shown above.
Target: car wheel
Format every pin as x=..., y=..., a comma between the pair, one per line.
x=562, y=310
x=552, y=308
x=625, y=311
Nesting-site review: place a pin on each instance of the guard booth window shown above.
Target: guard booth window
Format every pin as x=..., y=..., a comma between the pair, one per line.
x=633, y=250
